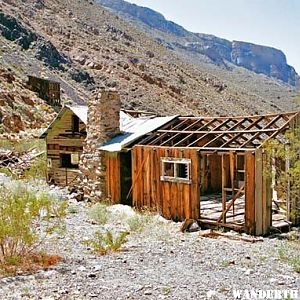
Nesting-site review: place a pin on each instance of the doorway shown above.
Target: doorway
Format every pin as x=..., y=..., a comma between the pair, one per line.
x=126, y=178
x=222, y=189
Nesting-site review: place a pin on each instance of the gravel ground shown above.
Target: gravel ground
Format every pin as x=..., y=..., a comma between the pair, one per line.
x=159, y=262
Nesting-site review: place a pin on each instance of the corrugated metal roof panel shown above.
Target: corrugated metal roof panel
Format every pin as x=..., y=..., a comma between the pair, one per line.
x=80, y=111
x=133, y=129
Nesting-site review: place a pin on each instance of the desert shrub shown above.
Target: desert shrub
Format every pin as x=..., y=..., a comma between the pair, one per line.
x=72, y=209
x=138, y=222
x=23, y=144
x=38, y=168
x=98, y=213
x=287, y=179
x=6, y=171
x=102, y=243
x=26, y=218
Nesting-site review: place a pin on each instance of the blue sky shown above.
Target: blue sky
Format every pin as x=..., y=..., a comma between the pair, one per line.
x=274, y=23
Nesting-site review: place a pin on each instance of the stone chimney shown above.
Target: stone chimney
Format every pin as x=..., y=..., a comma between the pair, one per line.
x=103, y=123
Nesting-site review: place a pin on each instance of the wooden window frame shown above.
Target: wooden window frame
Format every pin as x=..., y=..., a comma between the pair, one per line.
x=176, y=162
x=71, y=166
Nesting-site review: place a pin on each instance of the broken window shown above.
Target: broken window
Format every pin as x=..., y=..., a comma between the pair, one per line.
x=175, y=169
x=67, y=161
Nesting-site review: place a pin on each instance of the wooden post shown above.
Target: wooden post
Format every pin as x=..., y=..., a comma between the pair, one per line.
x=232, y=171
x=224, y=181
x=250, y=193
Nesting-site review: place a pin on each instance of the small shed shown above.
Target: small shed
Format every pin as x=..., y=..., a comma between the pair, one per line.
x=212, y=169
x=64, y=140
x=47, y=89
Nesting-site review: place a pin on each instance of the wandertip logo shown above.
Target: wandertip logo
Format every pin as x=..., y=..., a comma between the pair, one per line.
x=266, y=294
x=259, y=294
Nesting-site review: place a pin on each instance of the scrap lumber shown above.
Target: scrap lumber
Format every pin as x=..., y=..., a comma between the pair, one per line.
x=18, y=162
x=215, y=234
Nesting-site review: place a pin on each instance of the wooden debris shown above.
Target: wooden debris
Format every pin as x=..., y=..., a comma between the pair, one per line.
x=190, y=225
x=18, y=162
x=215, y=234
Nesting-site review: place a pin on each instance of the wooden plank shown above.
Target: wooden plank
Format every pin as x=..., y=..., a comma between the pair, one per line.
x=215, y=163
x=266, y=198
x=224, y=183
x=195, y=186
x=259, y=192
x=212, y=131
x=250, y=193
x=224, y=212
x=158, y=194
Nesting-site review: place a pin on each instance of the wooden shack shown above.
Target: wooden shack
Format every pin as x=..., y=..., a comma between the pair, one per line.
x=212, y=170
x=64, y=140
x=47, y=89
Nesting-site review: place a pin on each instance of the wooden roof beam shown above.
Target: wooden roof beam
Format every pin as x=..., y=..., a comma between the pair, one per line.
x=219, y=131
x=210, y=132
x=240, y=135
x=255, y=136
x=161, y=136
x=253, y=117
x=179, y=132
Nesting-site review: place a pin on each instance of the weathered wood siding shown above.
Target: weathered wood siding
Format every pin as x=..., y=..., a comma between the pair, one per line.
x=113, y=177
x=174, y=200
x=258, y=196
x=263, y=194
x=61, y=140
x=250, y=193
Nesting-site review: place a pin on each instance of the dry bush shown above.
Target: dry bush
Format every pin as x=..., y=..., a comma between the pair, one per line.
x=27, y=217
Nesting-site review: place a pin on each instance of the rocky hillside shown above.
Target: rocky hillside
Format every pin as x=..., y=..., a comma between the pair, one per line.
x=86, y=47
x=20, y=108
x=256, y=58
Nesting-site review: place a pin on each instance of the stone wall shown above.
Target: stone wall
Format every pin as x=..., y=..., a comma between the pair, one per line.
x=103, y=123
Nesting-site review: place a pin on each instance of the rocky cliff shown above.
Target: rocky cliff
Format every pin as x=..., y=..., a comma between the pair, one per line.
x=259, y=59
x=85, y=47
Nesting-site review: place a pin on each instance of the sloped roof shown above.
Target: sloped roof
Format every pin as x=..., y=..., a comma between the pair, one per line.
x=131, y=128
x=222, y=133
x=79, y=110
x=134, y=129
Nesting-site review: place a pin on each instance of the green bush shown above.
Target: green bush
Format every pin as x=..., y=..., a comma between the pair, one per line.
x=23, y=145
x=38, y=168
x=287, y=183
x=138, y=222
x=102, y=243
x=26, y=218
x=98, y=213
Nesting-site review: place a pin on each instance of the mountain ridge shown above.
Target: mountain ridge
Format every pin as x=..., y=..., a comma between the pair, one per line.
x=219, y=50
x=86, y=48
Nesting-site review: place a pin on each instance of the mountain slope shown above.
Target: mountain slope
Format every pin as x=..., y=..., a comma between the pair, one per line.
x=257, y=58
x=86, y=48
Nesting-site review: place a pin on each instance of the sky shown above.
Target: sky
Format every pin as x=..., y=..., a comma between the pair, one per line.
x=274, y=23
